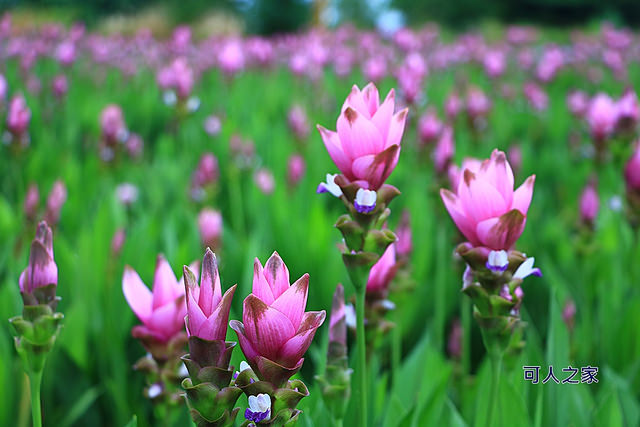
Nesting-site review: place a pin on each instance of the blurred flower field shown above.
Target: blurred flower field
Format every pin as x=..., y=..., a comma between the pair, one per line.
x=131, y=147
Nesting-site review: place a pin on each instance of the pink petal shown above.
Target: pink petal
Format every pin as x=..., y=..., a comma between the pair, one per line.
x=361, y=166
x=293, y=350
x=501, y=233
x=522, y=196
x=210, y=292
x=396, y=128
x=167, y=320
x=137, y=294
x=499, y=173
x=266, y=328
x=356, y=100
x=277, y=275
x=247, y=348
x=384, y=114
x=215, y=327
x=164, y=283
x=195, y=316
x=261, y=288
x=294, y=300
x=363, y=136
x=334, y=147
x=371, y=98
x=479, y=198
x=464, y=224
x=42, y=269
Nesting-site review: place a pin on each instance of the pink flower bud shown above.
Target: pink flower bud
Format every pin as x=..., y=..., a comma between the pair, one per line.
x=112, y=124
x=453, y=106
x=55, y=201
x=231, y=57
x=295, y=169
x=337, y=320
x=265, y=181
x=60, y=86
x=18, y=117
x=31, y=201
x=454, y=343
x=66, y=53
x=207, y=171
x=366, y=145
x=42, y=269
x=404, y=244
x=444, y=151
x=210, y=227
x=118, y=241
x=514, y=155
x=383, y=271
x=478, y=104
x=429, y=126
x=275, y=331
x=578, y=103
x=569, y=314
x=589, y=203
x=207, y=309
x=298, y=122
x=485, y=208
x=628, y=111
x=632, y=170
x=602, y=116
x=134, y=145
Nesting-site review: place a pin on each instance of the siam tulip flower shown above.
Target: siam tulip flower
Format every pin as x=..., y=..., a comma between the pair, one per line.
x=112, y=125
x=632, y=171
x=415, y=63
x=212, y=125
x=495, y=63
x=66, y=53
x=444, y=150
x=550, y=63
x=410, y=85
x=60, y=86
x=536, y=96
x=4, y=89
x=181, y=39
x=42, y=270
x=127, y=193
x=162, y=310
x=265, y=181
x=231, y=57
x=55, y=201
x=31, y=201
x=454, y=172
x=298, y=64
x=578, y=103
x=275, y=331
x=295, y=169
x=134, y=145
x=366, y=145
x=589, y=203
x=117, y=242
x=569, y=314
x=18, y=117
x=602, y=116
x=478, y=104
x=429, y=126
x=404, y=244
x=375, y=68
x=485, y=208
x=210, y=227
x=383, y=271
x=628, y=111
x=454, y=342
x=298, y=123
x=453, y=106
x=207, y=171
x=514, y=155
x=207, y=309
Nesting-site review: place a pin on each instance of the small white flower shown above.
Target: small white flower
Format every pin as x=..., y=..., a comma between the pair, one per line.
x=169, y=98
x=467, y=277
x=388, y=305
x=154, y=391
x=498, y=261
x=365, y=200
x=259, y=408
x=615, y=203
x=193, y=104
x=330, y=186
x=527, y=269
x=244, y=366
x=183, y=372
x=350, y=316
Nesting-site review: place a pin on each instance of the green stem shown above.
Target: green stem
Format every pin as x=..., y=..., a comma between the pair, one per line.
x=361, y=389
x=496, y=367
x=466, y=335
x=396, y=352
x=337, y=422
x=35, y=378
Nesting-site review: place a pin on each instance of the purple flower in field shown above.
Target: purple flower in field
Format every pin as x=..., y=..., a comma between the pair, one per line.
x=602, y=116
x=210, y=227
x=295, y=169
x=18, y=117
x=589, y=203
x=298, y=122
x=429, y=126
x=212, y=125
x=578, y=103
x=231, y=57
x=55, y=201
x=265, y=181
x=60, y=86
x=112, y=125
x=42, y=269
x=31, y=201
x=444, y=150
x=628, y=111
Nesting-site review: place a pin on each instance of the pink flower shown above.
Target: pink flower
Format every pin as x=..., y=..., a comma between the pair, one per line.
x=486, y=209
x=298, y=123
x=265, y=181
x=55, y=201
x=602, y=116
x=210, y=226
x=366, y=145
x=295, y=169
x=429, y=126
x=628, y=110
x=162, y=310
x=31, y=200
x=632, y=170
x=60, y=86
x=42, y=269
x=589, y=203
x=207, y=171
x=112, y=123
x=207, y=309
x=19, y=116
x=454, y=172
x=404, y=244
x=478, y=104
x=117, y=241
x=231, y=57
x=383, y=271
x=275, y=331
x=453, y=105
x=337, y=320
x=578, y=103
x=444, y=151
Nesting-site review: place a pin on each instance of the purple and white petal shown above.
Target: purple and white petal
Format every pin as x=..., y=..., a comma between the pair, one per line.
x=527, y=269
x=365, y=201
x=498, y=261
x=330, y=186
